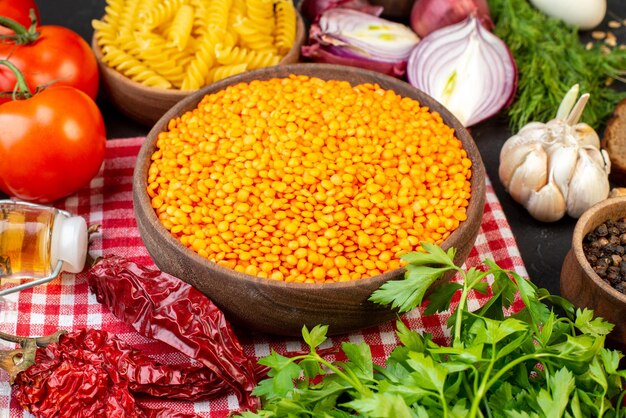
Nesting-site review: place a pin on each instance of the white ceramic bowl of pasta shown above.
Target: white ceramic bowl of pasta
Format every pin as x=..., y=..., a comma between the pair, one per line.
x=151, y=65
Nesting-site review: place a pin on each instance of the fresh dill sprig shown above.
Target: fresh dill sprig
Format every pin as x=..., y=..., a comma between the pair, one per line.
x=550, y=59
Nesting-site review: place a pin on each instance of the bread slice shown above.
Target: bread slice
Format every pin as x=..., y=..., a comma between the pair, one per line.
x=614, y=141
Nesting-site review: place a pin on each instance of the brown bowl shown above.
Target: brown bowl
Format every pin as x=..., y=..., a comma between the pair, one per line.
x=278, y=307
x=147, y=104
x=581, y=285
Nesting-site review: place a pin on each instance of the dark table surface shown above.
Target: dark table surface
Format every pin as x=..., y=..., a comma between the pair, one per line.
x=543, y=246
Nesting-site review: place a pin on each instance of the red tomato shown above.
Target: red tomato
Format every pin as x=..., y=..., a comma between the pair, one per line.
x=59, y=55
x=18, y=10
x=51, y=145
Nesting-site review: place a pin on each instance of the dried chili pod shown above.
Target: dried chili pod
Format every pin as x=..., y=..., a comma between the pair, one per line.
x=82, y=376
x=167, y=309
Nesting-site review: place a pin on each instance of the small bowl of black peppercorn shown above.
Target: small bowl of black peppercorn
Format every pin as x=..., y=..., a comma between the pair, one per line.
x=594, y=271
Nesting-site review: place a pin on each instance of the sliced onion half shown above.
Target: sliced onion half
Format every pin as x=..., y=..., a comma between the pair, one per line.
x=466, y=68
x=366, y=36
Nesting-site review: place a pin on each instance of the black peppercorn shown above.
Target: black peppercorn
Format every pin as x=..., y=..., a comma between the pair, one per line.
x=605, y=250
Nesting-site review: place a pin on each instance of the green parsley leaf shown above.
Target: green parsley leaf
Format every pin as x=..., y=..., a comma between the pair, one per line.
x=315, y=337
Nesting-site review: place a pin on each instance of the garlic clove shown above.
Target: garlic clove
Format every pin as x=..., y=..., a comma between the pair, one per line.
x=530, y=175
x=586, y=135
x=511, y=158
x=547, y=204
x=562, y=164
x=588, y=186
x=568, y=102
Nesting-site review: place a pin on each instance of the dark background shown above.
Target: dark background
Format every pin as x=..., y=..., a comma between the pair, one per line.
x=543, y=246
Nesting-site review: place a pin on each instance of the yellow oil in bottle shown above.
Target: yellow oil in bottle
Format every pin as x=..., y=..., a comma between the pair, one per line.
x=25, y=236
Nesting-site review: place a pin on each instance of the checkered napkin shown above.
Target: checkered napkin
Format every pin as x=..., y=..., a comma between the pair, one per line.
x=66, y=303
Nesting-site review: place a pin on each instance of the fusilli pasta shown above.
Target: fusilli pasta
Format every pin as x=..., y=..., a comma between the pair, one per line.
x=186, y=44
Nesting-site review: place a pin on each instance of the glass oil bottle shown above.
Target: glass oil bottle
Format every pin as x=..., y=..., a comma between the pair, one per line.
x=37, y=242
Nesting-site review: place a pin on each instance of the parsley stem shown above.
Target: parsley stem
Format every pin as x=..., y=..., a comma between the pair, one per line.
x=480, y=393
x=356, y=383
x=459, y=310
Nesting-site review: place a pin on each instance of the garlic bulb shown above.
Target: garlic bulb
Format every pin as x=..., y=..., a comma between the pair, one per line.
x=556, y=167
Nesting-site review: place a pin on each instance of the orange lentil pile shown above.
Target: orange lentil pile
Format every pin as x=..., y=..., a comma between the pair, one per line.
x=304, y=180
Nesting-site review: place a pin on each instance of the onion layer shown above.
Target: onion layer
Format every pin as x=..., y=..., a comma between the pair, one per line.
x=354, y=38
x=466, y=68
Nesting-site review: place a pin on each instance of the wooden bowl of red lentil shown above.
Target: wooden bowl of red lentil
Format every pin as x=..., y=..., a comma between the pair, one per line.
x=287, y=194
x=581, y=284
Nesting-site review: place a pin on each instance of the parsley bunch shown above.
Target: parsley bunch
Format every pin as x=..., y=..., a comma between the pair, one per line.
x=531, y=363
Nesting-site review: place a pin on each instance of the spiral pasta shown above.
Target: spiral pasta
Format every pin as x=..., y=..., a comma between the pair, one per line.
x=223, y=71
x=133, y=68
x=179, y=31
x=197, y=73
x=186, y=44
x=232, y=55
x=162, y=13
x=218, y=14
x=285, y=29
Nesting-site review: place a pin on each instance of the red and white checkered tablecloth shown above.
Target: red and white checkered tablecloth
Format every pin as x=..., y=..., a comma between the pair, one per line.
x=66, y=303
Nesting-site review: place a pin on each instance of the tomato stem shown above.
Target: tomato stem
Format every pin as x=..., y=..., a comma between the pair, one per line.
x=22, y=35
x=21, y=90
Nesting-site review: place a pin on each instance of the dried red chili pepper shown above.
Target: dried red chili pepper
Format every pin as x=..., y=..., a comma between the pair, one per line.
x=165, y=308
x=88, y=373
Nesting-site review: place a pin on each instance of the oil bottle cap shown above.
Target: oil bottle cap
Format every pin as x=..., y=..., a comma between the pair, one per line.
x=69, y=242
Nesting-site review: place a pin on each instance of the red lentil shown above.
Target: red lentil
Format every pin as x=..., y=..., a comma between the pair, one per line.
x=305, y=180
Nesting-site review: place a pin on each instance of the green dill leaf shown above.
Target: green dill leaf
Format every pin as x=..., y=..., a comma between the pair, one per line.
x=439, y=299
x=550, y=58
x=586, y=323
x=360, y=357
x=315, y=337
x=408, y=293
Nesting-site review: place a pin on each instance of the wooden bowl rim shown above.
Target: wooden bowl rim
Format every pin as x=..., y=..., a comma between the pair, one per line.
x=148, y=90
x=588, y=221
x=477, y=181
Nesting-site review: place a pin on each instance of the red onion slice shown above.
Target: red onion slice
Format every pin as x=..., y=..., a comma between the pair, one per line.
x=365, y=35
x=466, y=68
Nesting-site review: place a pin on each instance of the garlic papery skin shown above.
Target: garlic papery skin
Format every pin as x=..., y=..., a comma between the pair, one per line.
x=556, y=168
